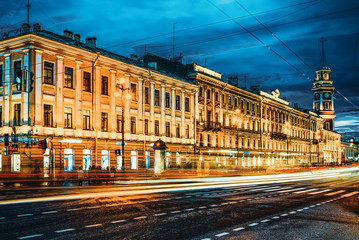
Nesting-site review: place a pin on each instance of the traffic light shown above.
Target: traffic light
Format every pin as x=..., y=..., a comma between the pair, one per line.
x=43, y=145
x=6, y=139
x=10, y=150
x=32, y=80
x=18, y=83
x=5, y=151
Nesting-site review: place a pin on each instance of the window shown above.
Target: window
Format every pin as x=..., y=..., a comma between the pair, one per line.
x=133, y=159
x=119, y=123
x=68, y=117
x=168, y=129
x=157, y=128
x=157, y=97
x=242, y=104
x=187, y=131
x=178, y=134
x=17, y=115
x=236, y=102
x=0, y=116
x=104, y=85
x=252, y=107
x=69, y=159
x=86, y=159
x=48, y=119
x=208, y=94
x=327, y=106
x=104, y=122
x=146, y=126
x=229, y=100
x=178, y=102
x=200, y=92
x=168, y=100
x=133, y=125
x=1, y=75
x=248, y=106
x=105, y=159
x=133, y=91
x=86, y=82
x=48, y=73
x=69, y=77
x=86, y=119
x=17, y=71
x=186, y=104
x=147, y=96
x=216, y=96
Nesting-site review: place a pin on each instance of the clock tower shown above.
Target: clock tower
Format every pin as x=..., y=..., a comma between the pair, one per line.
x=323, y=103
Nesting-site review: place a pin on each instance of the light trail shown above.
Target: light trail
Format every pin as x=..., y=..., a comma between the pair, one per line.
x=208, y=183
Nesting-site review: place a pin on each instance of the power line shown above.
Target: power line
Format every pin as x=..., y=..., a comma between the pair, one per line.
x=209, y=24
x=274, y=35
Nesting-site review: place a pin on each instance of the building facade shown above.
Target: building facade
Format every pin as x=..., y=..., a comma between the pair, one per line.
x=67, y=104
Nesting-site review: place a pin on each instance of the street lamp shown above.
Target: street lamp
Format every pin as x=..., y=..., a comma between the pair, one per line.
x=125, y=94
x=237, y=120
x=318, y=137
x=286, y=131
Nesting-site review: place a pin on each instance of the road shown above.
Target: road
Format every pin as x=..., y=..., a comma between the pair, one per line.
x=308, y=205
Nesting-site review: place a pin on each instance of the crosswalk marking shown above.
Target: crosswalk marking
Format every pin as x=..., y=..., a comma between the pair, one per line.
x=308, y=190
x=350, y=194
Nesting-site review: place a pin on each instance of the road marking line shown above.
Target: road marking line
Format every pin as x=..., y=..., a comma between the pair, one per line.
x=276, y=217
x=306, y=208
x=118, y=221
x=223, y=204
x=93, y=207
x=203, y=207
x=350, y=194
x=25, y=215
x=292, y=212
x=326, y=190
x=65, y=230
x=222, y=234
x=160, y=214
x=31, y=236
x=232, y=202
x=1, y=218
x=309, y=190
x=238, y=229
x=299, y=210
x=73, y=209
x=142, y=217
x=265, y=220
x=93, y=225
x=242, y=200
x=252, y=224
x=175, y=211
x=214, y=205
x=284, y=214
x=189, y=209
x=49, y=212
x=206, y=239
x=333, y=193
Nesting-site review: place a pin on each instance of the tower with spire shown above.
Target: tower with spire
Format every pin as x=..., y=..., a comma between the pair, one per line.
x=323, y=102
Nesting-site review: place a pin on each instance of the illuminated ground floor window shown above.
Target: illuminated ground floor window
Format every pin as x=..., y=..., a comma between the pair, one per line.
x=133, y=159
x=15, y=163
x=86, y=159
x=147, y=160
x=69, y=159
x=105, y=159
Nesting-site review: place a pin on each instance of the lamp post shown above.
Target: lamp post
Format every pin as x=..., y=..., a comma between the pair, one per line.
x=125, y=95
x=286, y=131
x=237, y=121
x=318, y=138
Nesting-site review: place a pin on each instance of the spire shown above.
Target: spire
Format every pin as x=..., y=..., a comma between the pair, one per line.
x=28, y=12
x=323, y=40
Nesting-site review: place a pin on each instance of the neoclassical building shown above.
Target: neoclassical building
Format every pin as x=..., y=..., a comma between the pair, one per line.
x=67, y=104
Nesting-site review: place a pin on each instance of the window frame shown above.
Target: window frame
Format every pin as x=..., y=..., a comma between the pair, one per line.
x=68, y=78
x=86, y=85
x=104, y=122
x=46, y=78
x=104, y=85
x=86, y=118
x=68, y=116
x=48, y=115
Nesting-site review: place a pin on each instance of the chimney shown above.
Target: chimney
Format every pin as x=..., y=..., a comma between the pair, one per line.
x=36, y=27
x=134, y=57
x=91, y=42
x=77, y=38
x=68, y=34
x=25, y=28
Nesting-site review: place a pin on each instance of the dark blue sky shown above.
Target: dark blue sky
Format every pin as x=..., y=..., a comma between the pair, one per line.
x=216, y=32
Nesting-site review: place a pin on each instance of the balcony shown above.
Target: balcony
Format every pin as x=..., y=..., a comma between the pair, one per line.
x=212, y=126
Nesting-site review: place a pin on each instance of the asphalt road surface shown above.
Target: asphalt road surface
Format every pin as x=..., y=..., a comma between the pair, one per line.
x=311, y=205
